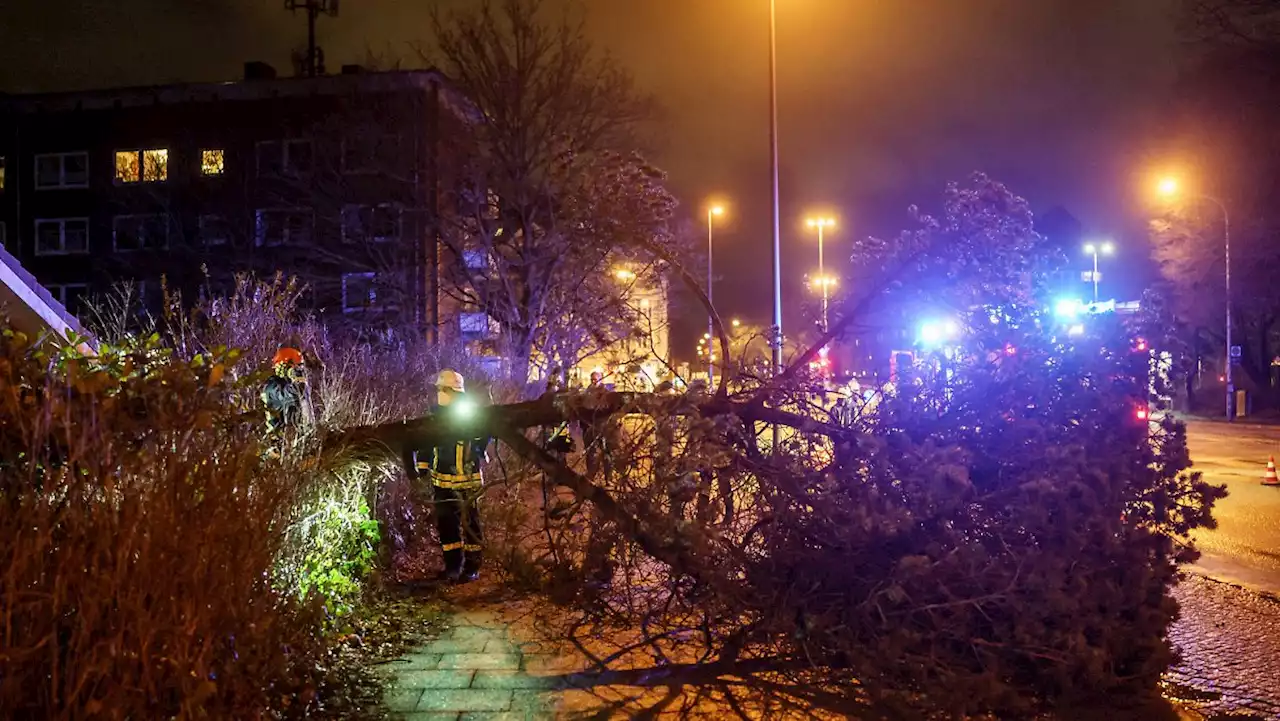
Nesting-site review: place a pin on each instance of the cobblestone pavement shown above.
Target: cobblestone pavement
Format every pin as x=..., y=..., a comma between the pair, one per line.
x=1230, y=642
x=476, y=671
x=484, y=668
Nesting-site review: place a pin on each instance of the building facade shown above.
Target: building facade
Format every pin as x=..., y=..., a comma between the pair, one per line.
x=333, y=180
x=344, y=182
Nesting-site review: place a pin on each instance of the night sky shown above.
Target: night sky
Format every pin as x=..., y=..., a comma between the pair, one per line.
x=881, y=102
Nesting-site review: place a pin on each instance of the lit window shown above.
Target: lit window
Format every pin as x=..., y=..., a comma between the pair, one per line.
x=150, y=166
x=155, y=165
x=212, y=162
x=140, y=232
x=127, y=170
x=1, y=172
x=62, y=236
x=62, y=170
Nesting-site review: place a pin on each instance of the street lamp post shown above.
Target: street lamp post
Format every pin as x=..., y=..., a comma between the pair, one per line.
x=1093, y=249
x=711, y=324
x=1168, y=187
x=777, y=230
x=820, y=224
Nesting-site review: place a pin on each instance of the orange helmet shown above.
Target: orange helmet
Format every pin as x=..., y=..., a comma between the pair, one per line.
x=290, y=356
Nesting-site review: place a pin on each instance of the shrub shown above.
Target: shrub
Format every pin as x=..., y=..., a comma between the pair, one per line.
x=156, y=564
x=138, y=531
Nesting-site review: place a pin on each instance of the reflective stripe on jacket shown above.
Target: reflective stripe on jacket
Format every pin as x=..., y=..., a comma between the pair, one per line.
x=456, y=465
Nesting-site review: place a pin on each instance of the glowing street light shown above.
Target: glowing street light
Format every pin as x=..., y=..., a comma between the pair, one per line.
x=1168, y=188
x=712, y=211
x=736, y=323
x=1094, y=249
x=624, y=275
x=824, y=282
x=777, y=219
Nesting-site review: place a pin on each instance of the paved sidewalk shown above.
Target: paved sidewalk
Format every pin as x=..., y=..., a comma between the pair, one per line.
x=477, y=671
x=487, y=668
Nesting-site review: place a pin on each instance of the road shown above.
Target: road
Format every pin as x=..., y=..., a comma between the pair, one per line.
x=1229, y=636
x=1245, y=547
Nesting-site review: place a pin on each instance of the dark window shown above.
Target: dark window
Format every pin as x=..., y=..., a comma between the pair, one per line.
x=72, y=295
x=377, y=223
x=270, y=158
x=359, y=292
x=299, y=157
x=475, y=325
x=62, y=170
x=62, y=236
x=292, y=226
x=371, y=153
x=285, y=157
x=214, y=230
x=140, y=232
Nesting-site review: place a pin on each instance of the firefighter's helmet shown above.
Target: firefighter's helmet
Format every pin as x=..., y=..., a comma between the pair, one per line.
x=451, y=379
x=287, y=356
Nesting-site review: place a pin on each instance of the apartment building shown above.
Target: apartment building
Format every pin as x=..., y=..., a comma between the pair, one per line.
x=332, y=179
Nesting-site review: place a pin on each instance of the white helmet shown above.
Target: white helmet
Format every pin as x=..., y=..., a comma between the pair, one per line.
x=449, y=378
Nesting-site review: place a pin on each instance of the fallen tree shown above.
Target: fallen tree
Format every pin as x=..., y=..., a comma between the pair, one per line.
x=998, y=536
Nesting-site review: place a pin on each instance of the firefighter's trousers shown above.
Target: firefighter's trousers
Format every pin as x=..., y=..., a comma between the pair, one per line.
x=458, y=521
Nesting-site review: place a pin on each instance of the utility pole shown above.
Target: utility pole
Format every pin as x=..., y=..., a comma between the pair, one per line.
x=314, y=63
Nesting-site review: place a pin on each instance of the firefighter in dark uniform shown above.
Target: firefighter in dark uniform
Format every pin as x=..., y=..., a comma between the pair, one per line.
x=282, y=394
x=456, y=481
x=557, y=439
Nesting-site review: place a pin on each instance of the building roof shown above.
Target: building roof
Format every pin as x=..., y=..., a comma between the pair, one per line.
x=349, y=83
x=30, y=307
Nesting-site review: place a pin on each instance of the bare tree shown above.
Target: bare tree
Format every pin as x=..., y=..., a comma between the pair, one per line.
x=545, y=193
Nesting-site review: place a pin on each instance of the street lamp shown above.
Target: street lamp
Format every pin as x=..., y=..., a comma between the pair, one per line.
x=1168, y=188
x=1094, y=249
x=777, y=228
x=712, y=211
x=821, y=224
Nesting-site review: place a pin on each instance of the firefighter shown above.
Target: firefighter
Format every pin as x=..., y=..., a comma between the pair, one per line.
x=283, y=392
x=557, y=439
x=456, y=480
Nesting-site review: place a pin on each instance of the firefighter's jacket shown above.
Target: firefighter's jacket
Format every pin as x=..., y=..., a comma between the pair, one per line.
x=282, y=398
x=455, y=466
